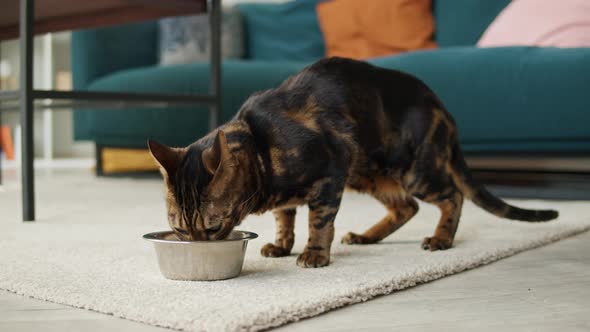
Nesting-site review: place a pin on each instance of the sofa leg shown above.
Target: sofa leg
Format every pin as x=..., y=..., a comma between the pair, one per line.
x=98, y=159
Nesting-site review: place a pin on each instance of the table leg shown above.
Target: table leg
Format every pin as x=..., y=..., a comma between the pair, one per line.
x=98, y=160
x=26, y=107
x=215, y=63
x=1, y=142
x=1, y=121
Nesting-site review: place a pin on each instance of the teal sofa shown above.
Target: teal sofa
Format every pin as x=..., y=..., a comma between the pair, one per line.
x=505, y=100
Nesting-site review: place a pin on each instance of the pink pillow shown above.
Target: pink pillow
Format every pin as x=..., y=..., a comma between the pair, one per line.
x=549, y=23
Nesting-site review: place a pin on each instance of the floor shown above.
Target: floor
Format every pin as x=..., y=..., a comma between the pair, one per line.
x=541, y=290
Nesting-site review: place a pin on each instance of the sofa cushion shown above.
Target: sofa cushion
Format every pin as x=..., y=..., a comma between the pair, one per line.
x=285, y=31
x=462, y=22
x=187, y=39
x=547, y=23
x=508, y=98
x=360, y=30
x=177, y=125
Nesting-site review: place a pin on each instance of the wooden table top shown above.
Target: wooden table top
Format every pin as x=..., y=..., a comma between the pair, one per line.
x=61, y=15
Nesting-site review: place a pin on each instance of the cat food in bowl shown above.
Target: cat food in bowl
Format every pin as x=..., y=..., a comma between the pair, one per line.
x=200, y=260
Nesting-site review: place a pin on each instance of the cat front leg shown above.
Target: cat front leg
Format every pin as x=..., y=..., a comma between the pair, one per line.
x=285, y=236
x=322, y=211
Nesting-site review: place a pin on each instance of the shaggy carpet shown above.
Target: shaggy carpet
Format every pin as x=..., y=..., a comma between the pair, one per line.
x=86, y=251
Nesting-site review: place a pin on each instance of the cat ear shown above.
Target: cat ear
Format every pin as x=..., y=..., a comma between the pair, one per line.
x=216, y=155
x=168, y=158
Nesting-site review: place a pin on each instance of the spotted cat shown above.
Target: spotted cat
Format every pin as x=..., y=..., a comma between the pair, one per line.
x=338, y=123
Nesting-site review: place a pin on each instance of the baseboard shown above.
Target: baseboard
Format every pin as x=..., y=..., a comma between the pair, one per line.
x=578, y=164
x=66, y=163
x=536, y=184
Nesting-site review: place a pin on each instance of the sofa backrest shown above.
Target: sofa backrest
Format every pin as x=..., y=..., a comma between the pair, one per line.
x=282, y=31
x=462, y=22
x=290, y=31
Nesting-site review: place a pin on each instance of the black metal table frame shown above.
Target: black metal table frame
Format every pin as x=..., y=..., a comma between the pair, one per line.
x=26, y=95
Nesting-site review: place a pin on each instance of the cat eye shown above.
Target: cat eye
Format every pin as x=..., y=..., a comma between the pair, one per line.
x=181, y=231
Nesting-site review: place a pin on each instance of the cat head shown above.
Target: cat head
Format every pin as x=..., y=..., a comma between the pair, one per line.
x=208, y=190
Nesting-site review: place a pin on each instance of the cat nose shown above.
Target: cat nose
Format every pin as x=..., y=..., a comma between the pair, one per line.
x=214, y=221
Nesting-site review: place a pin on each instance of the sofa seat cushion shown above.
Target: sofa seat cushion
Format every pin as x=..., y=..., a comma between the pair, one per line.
x=176, y=125
x=526, y=97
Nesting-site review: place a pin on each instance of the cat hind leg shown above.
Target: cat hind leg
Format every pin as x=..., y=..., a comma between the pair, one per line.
x=447, y=226
x=400, y=211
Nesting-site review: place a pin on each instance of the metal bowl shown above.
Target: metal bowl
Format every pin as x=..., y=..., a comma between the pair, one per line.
x=200, y=260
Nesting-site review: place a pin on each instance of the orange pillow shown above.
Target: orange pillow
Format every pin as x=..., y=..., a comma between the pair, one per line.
x=364, y=29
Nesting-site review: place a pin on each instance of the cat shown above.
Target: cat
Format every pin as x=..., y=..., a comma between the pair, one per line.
x=337, y=124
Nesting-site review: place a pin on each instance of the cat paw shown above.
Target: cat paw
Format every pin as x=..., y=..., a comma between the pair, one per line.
x=271, y=250
x=434, y=243
x=353, y=238
x=312, y=259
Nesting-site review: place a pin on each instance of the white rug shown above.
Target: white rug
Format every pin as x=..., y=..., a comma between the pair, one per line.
x=86, y=251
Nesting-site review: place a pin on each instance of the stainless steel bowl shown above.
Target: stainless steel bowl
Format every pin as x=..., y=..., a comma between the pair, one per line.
x=200, y=260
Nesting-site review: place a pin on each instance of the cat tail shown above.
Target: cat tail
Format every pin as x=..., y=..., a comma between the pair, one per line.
x=486, y=200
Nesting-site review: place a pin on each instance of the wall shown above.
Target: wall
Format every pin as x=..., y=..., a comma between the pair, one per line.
x=63, y=143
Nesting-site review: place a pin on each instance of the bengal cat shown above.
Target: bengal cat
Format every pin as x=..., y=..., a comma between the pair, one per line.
x=338, y=123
